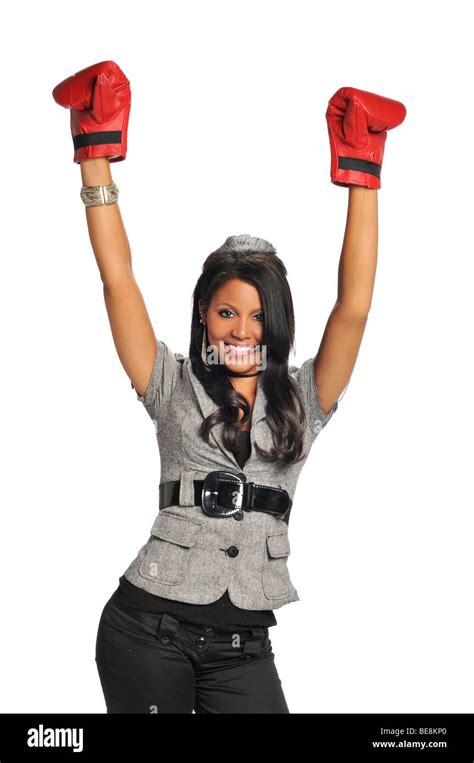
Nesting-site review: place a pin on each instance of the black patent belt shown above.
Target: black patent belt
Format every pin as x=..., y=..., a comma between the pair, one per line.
x=225, y=494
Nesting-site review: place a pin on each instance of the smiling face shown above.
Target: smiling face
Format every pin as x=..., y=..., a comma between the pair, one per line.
x=234, y=319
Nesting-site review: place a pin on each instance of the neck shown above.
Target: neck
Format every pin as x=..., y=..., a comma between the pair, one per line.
x=230, y=372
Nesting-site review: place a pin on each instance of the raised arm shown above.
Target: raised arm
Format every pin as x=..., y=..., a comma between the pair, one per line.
x=131, y=327
x=337, y=354
x=357, y=125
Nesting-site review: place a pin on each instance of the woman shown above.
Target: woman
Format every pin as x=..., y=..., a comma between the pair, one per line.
x=187, y=629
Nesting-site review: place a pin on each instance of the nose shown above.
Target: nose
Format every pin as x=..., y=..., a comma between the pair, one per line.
x=241, y=327
x=241, y=332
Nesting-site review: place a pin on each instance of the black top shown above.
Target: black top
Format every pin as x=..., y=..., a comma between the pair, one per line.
x=243, y=448
x=219, y=614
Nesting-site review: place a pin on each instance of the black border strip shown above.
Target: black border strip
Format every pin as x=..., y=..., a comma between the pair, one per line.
x=97, y=138
x=359, y=165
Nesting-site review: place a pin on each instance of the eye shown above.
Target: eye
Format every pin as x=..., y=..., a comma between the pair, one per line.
x=259, y=316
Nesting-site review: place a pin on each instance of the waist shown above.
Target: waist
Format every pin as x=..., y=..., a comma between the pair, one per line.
x=221, y=613
x=225, y=494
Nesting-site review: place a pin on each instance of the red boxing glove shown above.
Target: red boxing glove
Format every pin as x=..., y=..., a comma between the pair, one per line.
x=99, y=99
x=357, y=123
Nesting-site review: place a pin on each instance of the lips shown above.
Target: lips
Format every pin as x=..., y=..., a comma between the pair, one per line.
x=239, y=347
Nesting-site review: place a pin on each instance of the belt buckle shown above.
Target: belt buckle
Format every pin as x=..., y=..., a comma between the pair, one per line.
x=231, y=487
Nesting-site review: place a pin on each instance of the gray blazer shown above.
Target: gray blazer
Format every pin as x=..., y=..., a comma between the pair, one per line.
x=185, y=557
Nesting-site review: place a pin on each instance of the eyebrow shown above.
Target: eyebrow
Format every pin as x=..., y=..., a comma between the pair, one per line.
x=227, y=304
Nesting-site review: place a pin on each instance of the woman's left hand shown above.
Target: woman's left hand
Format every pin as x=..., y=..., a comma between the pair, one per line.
x=357, y=123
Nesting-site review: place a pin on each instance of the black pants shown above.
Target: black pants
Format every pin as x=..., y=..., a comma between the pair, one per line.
x=154, y=663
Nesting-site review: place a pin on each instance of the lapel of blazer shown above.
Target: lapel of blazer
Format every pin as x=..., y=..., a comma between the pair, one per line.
x=208, y=406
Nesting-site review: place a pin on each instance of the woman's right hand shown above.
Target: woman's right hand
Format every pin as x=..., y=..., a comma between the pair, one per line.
x=99, y=98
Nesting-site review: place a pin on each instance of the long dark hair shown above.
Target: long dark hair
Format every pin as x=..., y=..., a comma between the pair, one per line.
x=255, y=261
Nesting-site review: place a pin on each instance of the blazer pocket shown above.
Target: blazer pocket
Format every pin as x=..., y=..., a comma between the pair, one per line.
x=276, y=578
x=168, y=557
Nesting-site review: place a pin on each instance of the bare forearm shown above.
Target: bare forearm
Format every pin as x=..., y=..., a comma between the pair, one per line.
x=358, y=262
x=106, y=229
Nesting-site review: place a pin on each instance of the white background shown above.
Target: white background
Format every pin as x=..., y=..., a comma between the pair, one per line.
x=227, y=135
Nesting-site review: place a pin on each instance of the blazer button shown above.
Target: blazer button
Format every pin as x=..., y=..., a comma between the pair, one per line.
x=164, y=639
x=238, y=515
x=200, y=642
x=232, y=550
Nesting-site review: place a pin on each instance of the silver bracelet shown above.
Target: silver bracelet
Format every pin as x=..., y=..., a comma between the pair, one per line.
x=96, y=195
